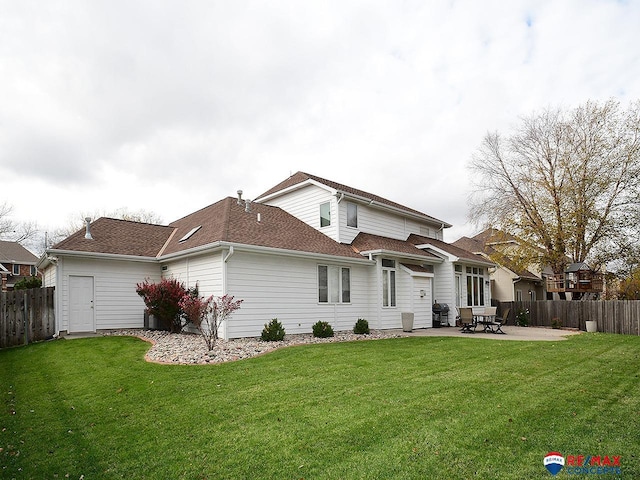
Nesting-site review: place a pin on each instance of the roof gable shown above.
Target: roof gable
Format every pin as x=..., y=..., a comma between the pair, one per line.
x=366, y=242
x=450, y=249
x=302, y=178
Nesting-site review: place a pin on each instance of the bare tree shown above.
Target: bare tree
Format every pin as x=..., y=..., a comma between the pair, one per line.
x=566, y=182
x=15, y=231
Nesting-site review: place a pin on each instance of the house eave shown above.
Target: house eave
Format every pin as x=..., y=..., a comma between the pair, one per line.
x=455, y=258
x=45, y=259
x=394, y=253
x=242, y=247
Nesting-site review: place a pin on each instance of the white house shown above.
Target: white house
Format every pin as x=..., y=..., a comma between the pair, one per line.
x=308, y=249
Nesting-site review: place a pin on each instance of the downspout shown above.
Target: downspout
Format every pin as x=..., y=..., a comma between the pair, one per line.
x=224, y=283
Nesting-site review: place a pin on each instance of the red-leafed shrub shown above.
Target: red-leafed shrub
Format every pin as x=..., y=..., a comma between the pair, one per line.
x=206, y=314
x=163, y=301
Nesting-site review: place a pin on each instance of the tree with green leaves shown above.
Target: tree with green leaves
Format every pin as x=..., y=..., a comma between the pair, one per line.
x=566, y=183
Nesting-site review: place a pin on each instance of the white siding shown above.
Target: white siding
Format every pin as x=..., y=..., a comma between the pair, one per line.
x=49, y=276
x=286, y=288
x=444, y=286
x=304, y=204
x=116, y=303
x=204, y=270
x=387, y=224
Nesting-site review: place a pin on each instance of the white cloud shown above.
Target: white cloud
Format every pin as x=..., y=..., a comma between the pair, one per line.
x=170, y=106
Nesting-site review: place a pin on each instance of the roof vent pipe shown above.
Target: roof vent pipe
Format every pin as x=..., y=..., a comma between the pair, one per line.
x=87, y=234
x=239, y=197
x=247, y=205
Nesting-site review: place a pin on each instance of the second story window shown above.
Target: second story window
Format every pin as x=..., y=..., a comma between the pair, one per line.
x=325, y=214
x=352, y=215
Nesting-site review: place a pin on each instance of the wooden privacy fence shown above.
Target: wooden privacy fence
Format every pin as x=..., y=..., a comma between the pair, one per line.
x=611, y=316
x=26, y=316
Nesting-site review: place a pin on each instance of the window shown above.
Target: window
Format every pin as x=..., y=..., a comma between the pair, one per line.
x=325, y=214
x=475, y=286
x=190, y=233
x=16, y=269
x=334, y=284
x=33, y=271
x=388, y=283
x=352, y=215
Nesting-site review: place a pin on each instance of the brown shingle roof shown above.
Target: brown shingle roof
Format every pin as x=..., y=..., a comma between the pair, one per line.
x=365, y=242
x=449, y=248
x=300, y=177
x=485, y=241
x=118, y=237
x=226, y=221
x=13, y=252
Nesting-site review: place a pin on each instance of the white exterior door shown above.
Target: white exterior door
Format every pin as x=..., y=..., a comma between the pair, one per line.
x=422, y=302
x=81, y=312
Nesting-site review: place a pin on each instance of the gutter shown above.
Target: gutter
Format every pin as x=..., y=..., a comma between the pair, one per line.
x=261, y=249
x=111, y=256
x=393, y=253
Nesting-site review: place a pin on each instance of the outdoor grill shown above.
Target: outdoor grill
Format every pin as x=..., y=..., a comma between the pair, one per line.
x=440, y=313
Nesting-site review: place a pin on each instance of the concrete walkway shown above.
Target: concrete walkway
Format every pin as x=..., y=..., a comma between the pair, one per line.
x=511, y=333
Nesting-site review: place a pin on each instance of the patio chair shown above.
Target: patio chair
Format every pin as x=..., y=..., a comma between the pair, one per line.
x=489, y=319
x=500, y=321
x=467, y=320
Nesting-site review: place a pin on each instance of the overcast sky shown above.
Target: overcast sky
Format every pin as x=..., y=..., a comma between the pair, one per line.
x=169, y=106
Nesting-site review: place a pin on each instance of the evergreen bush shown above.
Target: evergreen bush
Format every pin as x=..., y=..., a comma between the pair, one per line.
x=272, y=331
x=322, y=330
x=361, y=327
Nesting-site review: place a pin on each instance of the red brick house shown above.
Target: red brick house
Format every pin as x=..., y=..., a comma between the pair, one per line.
x=16, y=263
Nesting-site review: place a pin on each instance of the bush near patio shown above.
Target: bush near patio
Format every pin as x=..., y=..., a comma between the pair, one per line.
x=425, y=407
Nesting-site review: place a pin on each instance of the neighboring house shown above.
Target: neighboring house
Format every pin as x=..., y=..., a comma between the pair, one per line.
x=16, y=263
x=511, y=279
x=306, y=250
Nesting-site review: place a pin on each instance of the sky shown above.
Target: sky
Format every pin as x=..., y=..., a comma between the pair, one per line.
x=170, y=106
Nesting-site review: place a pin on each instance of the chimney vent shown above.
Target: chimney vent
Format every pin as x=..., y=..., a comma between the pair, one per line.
x=247, y=205
x=239, y=197
x=87, y=235
x=259, y=218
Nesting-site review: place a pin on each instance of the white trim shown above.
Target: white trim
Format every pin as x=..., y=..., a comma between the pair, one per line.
x=412, y=256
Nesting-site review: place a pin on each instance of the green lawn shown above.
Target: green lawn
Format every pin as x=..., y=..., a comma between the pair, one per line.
x=402, y=408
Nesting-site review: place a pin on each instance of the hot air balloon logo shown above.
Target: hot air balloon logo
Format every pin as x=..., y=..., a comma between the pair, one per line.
x=553, y=462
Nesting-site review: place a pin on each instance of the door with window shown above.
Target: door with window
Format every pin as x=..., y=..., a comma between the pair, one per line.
x=81, y=311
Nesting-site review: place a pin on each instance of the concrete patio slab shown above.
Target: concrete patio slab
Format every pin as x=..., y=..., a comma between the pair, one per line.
x=511, y=333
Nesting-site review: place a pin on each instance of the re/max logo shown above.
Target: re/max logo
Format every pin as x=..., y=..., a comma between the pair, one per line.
x=593, y=460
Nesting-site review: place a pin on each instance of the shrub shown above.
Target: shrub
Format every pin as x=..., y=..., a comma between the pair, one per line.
x=206, y=314
x=361, y=327
x=28, y=283
x=522, y=318
x=556, y=323
x=162, y=301
x=322, y=330
x=273, y=331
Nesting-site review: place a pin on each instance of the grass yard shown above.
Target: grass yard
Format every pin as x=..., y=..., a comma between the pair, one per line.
x=402, y=408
